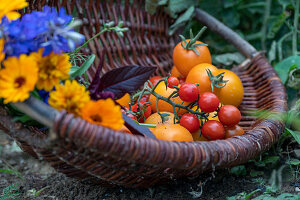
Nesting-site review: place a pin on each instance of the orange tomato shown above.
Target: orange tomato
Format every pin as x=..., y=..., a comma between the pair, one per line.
x=199, y=75
x=197, y=137
x=175, y=72
x=232, y=93
x=185, y=60
x=156, y=119
x=172, y=132
x=125, y=100
x=233, y=131
x=154, y=80
x=164, y=91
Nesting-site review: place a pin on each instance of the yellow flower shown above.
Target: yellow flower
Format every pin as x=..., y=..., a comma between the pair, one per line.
x=2, y=54
x=8, y=8
x=52, y=69
x=18, y=78
x=103, y=112
x=72, y=97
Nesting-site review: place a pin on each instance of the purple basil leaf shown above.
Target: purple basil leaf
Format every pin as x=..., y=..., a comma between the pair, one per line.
x=103, y=95
x=125, y=79
x=137, y=129
x=96, y=80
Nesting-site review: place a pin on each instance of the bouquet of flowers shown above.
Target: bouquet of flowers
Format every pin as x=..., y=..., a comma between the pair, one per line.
x=36, y=54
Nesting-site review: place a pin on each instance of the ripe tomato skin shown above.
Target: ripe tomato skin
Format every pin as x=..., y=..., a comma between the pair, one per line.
x=145, y=97
x=188, y=92
x=154, y=80
x=164, y=91
x=172, y=81
x=197, y=136
x=234, y=131
x=185, y=60
x=208, y=102
x=128, y=114
x=232, y=93
x=147, y=113
x=190, y=122
x=229, y=115
x=125, y=100
x=213, y=130
x=181, y=81
x=156, y=119
x=172, y=132
x=199, y=75
x=175, y=72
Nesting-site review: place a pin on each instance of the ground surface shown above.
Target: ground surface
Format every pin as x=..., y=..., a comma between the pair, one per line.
x=37, y=175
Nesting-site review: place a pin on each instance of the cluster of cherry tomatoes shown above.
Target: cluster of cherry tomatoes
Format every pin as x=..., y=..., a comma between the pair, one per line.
x=208, y=99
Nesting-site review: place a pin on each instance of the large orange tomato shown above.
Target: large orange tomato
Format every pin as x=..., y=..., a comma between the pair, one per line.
x=199, y=75
x=172, y=132
x=233, y=92
x=164, y=91
x=185, y=60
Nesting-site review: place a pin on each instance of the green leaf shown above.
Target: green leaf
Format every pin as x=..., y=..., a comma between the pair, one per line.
x=177, y=6
x=271, y=159
x=186, y=16
x=255, y=173
x=23, y=118
x=293, y=161
x=151, y=5
x=295, y=134
x=84, y=67
x=238, y=170
x=283, y=67
x=276, y=24
x=228, y=59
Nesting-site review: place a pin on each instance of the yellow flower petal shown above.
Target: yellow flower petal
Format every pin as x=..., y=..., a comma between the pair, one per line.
x=18, y=78
x=103, y=112
x=72, y=97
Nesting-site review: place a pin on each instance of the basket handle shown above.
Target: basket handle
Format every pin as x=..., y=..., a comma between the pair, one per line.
x=218, y=27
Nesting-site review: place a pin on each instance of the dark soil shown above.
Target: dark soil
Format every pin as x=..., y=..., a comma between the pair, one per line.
x=39, y=175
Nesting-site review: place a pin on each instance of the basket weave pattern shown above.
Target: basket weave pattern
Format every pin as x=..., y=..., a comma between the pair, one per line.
x=85, y=151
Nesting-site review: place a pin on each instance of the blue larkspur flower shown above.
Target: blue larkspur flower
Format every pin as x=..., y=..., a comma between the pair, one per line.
x=44, y=95
x=46, y=29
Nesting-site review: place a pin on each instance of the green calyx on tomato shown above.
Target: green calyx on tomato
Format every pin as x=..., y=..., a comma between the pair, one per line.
x=191, y=44
x=216, y=80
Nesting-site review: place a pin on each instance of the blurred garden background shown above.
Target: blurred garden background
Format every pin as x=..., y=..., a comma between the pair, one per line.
x=272, y=27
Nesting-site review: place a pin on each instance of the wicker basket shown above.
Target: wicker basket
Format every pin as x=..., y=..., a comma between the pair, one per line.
x=85, y=151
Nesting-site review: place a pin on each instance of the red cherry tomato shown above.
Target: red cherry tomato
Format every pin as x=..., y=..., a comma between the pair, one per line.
x=229, y=115
x=188, y=92
x=147, y=110
x=190, y=122
x=181, y=81
x=145, y=98
x=154, y=80
x=173, y=81
x=128, y=114
x=213, y=130
x=208, y=102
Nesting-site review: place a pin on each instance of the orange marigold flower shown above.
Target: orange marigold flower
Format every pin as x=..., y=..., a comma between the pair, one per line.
x=71, y=96
x=103, y=112
x=18, y=78
x=52, y=69
x=8, y=8
x=2, y=54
